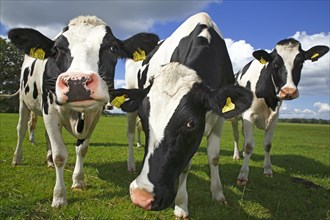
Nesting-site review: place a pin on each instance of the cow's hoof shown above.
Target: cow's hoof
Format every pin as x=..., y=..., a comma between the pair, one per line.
x=184, y=218
x=236, y=157
x=268, y=174
x=15, y=163
x=131, y=169
x=241, y=182
x=50, y=164
x=78, y=185
x=59, y=203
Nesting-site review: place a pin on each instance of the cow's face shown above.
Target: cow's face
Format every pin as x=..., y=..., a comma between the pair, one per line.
x=81, y=60
x=173, y=118
x=285, y=63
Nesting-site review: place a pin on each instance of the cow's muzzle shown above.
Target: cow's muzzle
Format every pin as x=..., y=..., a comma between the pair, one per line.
x=288, y=93
x=79, y=89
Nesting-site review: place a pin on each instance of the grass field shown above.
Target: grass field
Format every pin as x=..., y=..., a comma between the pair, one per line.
x=299, y=150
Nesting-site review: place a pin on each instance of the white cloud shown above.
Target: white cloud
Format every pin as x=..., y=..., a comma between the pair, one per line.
x=317, y=110
x=322, y=107
x=240, y=53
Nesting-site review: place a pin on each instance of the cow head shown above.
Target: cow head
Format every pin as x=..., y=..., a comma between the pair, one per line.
x=172, y=111
x=285, y=63
x=80, y=62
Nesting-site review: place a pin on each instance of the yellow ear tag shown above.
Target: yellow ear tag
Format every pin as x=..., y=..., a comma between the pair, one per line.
x=315, y=55
x=262, y=60
x=139, y=55
x=118, y=101
x=229, y=106
x=37, y=53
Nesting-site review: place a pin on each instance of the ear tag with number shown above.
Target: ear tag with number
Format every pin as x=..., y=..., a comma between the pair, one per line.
x=139, y=55
x=262, y=60
x=118, y=101
x=229, y=106
x=315, y=57
x=37, y=53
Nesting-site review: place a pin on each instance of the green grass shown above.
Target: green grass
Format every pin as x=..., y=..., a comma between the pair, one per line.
x=299, y=150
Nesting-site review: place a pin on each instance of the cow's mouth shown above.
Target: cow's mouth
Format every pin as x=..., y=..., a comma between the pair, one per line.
x=86, y=105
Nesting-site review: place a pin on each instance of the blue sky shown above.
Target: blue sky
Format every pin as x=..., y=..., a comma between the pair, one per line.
x=246, y=26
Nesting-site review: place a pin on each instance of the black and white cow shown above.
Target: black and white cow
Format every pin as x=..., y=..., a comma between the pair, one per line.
x=66, y=80
x=272, y=77
x=189, y=93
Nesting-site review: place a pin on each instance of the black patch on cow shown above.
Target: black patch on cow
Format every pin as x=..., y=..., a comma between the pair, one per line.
x=80, y=125
x=25, y=76
x=151, y=54
x=142, y=79
x=248, y=85
x=35, y=90
x=27, y=89
x=32, y=67
x=50, y=97
x=44, y=101
x=245, y=68
x=77, y=90
x=59, y=62
x=297, y=67
x=265, y=89
x=210, y=60
x=108, y=56
x=80, y=142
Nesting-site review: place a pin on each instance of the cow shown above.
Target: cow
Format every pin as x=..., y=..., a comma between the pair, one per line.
x=185, y=89
x=272, y=78
x=67, y=81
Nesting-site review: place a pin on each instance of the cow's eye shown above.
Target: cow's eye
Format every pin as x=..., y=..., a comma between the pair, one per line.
x=114, y=49
x=191, y=124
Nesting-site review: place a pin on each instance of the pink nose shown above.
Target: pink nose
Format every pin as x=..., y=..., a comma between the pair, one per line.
x=288, y=93
x=142, y=198
x=76, y=86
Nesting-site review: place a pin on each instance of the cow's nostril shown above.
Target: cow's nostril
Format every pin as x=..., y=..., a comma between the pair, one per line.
x=89, y=81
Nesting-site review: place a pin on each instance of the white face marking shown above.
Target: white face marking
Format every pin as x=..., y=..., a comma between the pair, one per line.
x=84, y=44
x=170, y=85
x=288, y=53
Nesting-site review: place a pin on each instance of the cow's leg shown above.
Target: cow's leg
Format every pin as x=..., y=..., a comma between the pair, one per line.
x=234, y=125
x=60, y=156
x=81, y=151
x=181, y=199
x=32, y=127
x=49, y=156
x=267, y=147
x=248, y=150
x=213, y=153
x=21, y=130
x=131, y=121
x=78, y=173
x=138, y=143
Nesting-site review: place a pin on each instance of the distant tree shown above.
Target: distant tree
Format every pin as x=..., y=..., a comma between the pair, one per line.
x=10, y=68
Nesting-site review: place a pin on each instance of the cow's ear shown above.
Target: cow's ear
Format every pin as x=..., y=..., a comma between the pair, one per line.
x=128, y=100
x=229, y=101
x=316, y=52
x=32, y=42
x=139, y=46
x=262, y=55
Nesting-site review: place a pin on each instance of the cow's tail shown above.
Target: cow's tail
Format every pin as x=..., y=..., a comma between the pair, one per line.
x=8, y=96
